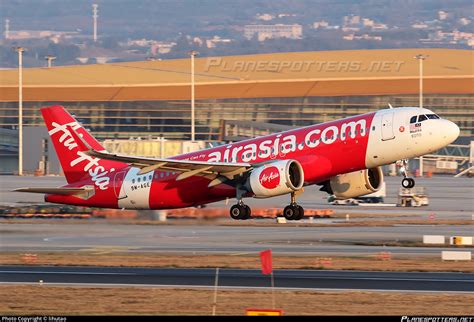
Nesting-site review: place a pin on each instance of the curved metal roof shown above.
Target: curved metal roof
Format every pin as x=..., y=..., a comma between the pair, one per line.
x=299, y=74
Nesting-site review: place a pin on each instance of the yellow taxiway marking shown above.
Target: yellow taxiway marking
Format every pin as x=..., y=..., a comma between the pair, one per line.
x=243, y=253
x=106, y=249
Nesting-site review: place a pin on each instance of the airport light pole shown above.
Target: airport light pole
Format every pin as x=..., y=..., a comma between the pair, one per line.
x=20, y=51
x=193, y=53
x=49, y=59
x=421, y=58
x=94, y=17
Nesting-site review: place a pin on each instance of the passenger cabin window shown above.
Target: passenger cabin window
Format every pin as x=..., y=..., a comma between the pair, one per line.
x=413, y=119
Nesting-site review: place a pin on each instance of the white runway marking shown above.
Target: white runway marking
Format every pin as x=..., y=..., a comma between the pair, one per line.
x=74, y=273
x=262, y=288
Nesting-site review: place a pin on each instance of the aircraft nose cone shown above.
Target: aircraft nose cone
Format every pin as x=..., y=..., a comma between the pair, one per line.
x=450, y=131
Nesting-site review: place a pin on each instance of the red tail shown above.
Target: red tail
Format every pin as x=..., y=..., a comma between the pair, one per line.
x=76, y=165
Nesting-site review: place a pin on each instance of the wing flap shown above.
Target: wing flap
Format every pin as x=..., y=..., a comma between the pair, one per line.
x=148, y=164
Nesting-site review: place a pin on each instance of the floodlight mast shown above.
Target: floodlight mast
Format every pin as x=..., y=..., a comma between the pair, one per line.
x=95, y=16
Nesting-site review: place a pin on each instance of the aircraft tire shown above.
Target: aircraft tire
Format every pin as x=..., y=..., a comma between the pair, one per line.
x=238, y=212
x=291, y=212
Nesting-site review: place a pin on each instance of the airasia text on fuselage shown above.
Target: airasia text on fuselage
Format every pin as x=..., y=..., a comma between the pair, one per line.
x=278, y=146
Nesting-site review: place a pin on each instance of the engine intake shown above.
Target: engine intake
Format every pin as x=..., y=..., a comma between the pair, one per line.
x=358, y=183
x=276, y=178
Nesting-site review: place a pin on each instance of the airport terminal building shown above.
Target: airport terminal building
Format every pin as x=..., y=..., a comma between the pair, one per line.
x=239, y=96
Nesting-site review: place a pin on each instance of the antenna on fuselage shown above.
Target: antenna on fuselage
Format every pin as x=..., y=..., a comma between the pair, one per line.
x=390, y=105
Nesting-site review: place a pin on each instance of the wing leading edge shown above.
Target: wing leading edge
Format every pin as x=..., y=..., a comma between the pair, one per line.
x=218, y=172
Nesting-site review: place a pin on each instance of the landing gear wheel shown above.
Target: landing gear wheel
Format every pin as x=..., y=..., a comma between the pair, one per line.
x=291, y=212
x=300, y=213
x=248, y=212
x=408, y=183
x=238, y=212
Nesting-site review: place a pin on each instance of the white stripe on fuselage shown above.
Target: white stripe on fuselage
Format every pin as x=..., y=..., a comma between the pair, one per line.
x=137, y=190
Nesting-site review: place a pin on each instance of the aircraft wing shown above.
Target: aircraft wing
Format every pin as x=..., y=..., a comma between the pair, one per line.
x=57, y=191
x=185, y=167
x=218, y=172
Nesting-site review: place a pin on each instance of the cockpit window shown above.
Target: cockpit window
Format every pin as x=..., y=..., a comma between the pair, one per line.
x=432, y=116
x=422, y=118
x=413, y=119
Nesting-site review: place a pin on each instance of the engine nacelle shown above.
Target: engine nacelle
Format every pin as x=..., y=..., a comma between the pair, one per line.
x=276, y=178
x=358, y=183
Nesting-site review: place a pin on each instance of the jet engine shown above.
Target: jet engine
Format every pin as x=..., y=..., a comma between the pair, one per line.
x=355, y=184
x=276, y=178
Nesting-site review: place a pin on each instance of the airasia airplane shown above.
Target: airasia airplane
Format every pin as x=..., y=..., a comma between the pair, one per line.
x=343, y=156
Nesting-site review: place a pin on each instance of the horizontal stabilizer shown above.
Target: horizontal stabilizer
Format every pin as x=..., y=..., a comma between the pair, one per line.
x=57, y=191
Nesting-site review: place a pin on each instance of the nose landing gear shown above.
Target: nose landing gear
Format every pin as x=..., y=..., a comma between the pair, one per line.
x=406, y=182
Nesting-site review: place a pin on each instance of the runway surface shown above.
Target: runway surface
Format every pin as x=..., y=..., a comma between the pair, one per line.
x=449, y=197
x=296, y=279
x=212, y=239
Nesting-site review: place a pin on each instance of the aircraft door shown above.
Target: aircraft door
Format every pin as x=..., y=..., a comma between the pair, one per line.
x=387, y=126
x=119, y=187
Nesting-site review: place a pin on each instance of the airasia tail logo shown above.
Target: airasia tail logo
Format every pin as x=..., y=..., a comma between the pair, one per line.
x=270, y=178
x=89, y=164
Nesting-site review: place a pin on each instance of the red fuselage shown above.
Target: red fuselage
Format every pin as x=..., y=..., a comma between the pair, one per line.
x=323, y=150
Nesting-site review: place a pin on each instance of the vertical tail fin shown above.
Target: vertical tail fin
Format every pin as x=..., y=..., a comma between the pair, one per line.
x=76, y=165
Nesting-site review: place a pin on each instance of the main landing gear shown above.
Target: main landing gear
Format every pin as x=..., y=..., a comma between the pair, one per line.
x=293, y=211
x=240, y=211
x=406, y=182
